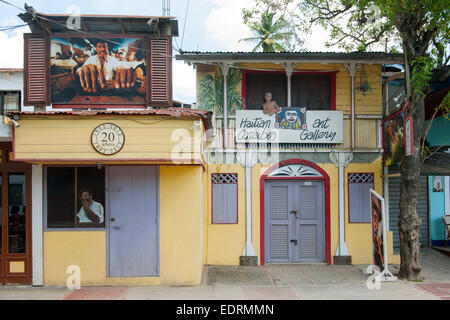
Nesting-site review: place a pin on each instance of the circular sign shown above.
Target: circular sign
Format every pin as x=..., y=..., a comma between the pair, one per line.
x=108, y=138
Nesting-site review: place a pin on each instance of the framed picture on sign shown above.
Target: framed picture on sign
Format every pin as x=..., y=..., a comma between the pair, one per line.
x=98, y=71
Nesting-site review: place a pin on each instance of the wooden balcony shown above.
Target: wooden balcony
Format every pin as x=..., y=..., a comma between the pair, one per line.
x=367, y=137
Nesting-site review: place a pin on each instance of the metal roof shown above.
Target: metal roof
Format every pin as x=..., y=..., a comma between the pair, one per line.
x=171, y=112
x=320, y=57
x=112, y=24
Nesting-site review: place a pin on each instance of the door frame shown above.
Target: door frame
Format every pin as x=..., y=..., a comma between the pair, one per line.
x=107, y=218
x=324, y=177
x=6, y=167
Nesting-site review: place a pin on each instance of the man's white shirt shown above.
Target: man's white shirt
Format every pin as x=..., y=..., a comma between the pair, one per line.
x=95, y=207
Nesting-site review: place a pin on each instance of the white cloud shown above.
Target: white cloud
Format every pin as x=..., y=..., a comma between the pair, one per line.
x=12, y=54
x=183, y=80
x=224, y=25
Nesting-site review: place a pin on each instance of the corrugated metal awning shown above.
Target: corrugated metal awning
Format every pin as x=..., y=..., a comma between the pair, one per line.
x=171, y=112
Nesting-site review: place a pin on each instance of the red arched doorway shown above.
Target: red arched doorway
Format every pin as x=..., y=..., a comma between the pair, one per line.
x=296, y=169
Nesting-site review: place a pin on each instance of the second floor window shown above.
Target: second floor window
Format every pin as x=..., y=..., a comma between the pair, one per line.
x=311, y=90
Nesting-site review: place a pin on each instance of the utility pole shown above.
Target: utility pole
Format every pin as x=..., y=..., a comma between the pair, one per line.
x=166, y=8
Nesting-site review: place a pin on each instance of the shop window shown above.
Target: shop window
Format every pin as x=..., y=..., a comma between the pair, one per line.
x=224, y=198
x=359, y=185
x=75, y=197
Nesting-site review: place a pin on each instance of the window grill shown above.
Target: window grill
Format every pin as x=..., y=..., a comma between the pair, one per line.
x=360, y=178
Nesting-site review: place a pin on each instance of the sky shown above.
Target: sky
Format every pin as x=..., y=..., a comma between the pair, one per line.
x=209, y=25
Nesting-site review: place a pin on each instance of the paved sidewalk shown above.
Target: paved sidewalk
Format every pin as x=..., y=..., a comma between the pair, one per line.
x=270, y=282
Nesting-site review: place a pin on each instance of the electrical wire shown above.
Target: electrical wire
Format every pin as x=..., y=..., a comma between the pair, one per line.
x=168, y=56
x=184, y=24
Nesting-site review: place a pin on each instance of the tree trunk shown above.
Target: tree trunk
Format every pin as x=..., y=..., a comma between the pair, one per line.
x=409, y=221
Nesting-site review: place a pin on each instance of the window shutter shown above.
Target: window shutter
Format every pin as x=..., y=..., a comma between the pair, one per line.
x=359, y=185
x=224, y=198
x=160, y=72
x=36, y=70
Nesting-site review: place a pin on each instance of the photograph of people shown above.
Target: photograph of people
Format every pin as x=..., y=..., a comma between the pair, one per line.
x=96, y=70
x=437, y=184
x=90, y=211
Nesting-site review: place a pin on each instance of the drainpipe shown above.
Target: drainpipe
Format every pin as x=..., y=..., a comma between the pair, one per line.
x=225, y=68
x=352, y=68
x=341, y=160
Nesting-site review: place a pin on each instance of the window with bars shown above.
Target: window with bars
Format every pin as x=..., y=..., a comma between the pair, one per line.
x=359, y=185
x=224, y=198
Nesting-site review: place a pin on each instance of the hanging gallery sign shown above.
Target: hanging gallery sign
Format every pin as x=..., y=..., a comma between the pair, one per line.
x=290, y=125
x=107, y=139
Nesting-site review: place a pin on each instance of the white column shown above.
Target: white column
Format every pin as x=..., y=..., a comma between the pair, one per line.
x=289, y=67
x=352, y=68
x=341, y=160
x=246, y=159
x=37, y=227
x=225, y=68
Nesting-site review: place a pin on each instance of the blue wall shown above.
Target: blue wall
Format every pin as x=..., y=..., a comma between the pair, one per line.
x=439, y=132
x=437, y=210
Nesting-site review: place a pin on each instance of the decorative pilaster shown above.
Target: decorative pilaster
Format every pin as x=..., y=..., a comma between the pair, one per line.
x=341, y=160
x=248, y=160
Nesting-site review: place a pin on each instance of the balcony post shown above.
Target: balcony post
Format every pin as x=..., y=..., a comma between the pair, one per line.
x=225, y=68
x=352, y=68
x=289, y=67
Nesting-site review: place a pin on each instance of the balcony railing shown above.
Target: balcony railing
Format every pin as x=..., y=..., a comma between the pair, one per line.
x=367, y=137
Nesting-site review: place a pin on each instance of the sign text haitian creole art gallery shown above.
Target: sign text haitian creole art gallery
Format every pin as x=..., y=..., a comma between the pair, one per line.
x=290, y=125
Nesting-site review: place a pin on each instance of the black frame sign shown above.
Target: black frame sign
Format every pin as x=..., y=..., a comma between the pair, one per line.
x=108, y=139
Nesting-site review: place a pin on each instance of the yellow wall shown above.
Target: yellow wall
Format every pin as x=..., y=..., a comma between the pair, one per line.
x=225, y=242
x=358, y=235
x=69, y=137
x=181, y=239
x=369, y=103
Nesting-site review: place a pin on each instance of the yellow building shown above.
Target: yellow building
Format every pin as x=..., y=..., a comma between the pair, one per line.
x=300, y=197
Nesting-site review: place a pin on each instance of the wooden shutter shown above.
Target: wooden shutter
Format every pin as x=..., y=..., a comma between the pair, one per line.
x=359, y=185
x=160, y=72
x=36, y=69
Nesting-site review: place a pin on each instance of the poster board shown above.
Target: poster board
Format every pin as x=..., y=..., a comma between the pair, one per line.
x=290, y=125
x=378, y=235
x=98, y=71
x=393, y=143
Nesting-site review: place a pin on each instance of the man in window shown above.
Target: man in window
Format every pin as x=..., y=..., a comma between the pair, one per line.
x=90, y=211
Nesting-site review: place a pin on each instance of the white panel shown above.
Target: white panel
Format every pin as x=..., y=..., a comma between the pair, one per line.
x=321, y=127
